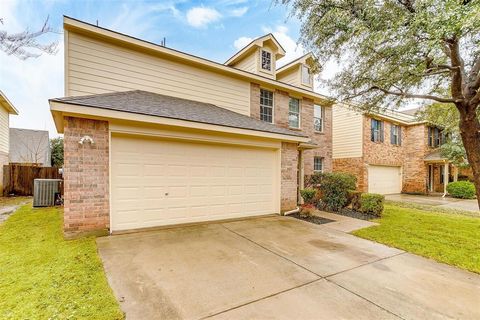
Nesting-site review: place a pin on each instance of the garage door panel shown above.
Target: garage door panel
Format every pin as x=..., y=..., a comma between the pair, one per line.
x=384, y=179
x=203, y=182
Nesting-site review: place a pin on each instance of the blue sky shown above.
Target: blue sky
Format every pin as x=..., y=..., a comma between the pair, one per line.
x=210, y=29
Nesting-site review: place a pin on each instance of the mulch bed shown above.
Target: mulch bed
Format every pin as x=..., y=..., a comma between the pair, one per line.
x=311, y=219
x=353, y=214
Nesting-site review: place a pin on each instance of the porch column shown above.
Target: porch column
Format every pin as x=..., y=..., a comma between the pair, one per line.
x=445, y=179
x=301, y=176
x=455, y=174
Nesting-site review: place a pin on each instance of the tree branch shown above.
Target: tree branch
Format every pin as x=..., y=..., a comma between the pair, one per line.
x=414, y=96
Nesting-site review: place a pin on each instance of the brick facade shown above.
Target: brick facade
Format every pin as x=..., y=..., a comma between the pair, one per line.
x=86, y=176
x=289, y=174
x=280, y=118
x=409, y=155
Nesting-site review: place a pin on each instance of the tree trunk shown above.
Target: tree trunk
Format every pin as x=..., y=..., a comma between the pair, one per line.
x=470, y=132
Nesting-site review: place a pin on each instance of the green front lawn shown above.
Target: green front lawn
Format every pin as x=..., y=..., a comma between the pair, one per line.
x=43, y=276
x=449, y=238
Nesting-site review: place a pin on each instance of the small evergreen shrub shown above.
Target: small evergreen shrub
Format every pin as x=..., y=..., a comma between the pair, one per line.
x=372, y=203
x=355, y=199
x=335, y=188
x=308, y=195
x=461, y=189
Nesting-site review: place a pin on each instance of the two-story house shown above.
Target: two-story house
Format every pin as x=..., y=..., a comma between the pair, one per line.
x=390, y=152
x=154, y=136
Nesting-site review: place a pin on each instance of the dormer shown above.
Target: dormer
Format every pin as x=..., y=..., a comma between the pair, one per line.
x=298, y=72
x=259, y=56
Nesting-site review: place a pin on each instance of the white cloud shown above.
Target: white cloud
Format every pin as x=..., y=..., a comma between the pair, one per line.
x=242, y=42
x=201, y=17
x=238, y=12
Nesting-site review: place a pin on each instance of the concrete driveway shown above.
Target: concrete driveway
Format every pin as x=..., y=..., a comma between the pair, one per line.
x=279, y=268
x=437, y=201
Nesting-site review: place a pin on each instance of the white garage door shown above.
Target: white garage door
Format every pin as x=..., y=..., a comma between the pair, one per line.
x=161, y=182
x=384, y=179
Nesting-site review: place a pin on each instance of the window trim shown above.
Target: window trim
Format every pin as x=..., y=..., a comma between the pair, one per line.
x=321, y=164
x=322, y=118
x=272, y=106
x=299, y=113
x=380, y=130
x=261, y=60
x=305, y=67
x=398, y=140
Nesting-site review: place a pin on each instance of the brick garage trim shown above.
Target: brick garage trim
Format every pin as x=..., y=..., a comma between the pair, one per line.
x=86, y=177
x=289, y=176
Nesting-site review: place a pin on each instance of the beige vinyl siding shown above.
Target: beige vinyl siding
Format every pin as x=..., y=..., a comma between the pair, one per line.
x=347, y=133
x=95, y=67
x=4, y=130
x=249, y=63
x=291, y=77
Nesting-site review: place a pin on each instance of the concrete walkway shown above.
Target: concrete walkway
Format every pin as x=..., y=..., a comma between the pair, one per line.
x=279, y=268
x=437, y=201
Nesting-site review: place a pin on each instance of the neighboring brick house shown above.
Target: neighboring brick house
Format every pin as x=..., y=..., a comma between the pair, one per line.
x=154, y=136
x=390, y=152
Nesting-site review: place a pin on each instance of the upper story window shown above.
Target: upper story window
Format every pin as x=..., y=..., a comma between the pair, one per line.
x=306, y=76
x=266, y=105
x=318, y=118
x=266, y=60
x=436, y=137
x=377, y=131
x=294, y=113
x=317, y=164
x=396, y=135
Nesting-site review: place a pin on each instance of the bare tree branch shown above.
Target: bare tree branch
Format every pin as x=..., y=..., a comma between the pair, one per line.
x=15, y=44
x=410, y=95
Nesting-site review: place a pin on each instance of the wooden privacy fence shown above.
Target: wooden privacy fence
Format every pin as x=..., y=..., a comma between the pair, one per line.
x=18, y=179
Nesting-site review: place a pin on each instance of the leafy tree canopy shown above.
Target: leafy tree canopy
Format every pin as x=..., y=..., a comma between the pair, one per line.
x=391, y=49
x=56, y=145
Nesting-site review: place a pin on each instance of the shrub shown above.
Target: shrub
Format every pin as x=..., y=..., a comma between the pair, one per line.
x=355, y=199
x=313, y=180
x=307, y=210
x=461, y=189
x=372, y=203
x=335, y=188
x=308, y=195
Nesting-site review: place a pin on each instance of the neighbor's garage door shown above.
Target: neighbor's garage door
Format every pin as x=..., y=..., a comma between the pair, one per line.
x=161, y=182
x=384, y=179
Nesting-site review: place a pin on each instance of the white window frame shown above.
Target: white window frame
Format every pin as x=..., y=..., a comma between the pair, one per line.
x=297, y=113
x=266, y=106
x=321, y=118
x=306, y=69
x=321, y=164
x=261, y=60
x=396, y=133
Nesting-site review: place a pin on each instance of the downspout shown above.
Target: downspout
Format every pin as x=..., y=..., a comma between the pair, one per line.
x=296, y=210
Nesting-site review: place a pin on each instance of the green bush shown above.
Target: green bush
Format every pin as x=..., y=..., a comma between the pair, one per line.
x=313, y=180
x=372, y=203
x=355, y=199
x=308, y=195
x=335, y=188
x=461, y=189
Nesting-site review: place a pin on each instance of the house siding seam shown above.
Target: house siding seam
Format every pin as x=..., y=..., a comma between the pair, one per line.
x=86, y=176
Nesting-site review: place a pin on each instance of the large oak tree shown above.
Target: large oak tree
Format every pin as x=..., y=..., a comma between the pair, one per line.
x=393, y=51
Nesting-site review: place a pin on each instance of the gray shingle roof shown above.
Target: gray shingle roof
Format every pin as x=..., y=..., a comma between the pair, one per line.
x=152, y=104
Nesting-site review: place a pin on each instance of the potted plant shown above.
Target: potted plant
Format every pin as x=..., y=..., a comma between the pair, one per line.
x=308, y=206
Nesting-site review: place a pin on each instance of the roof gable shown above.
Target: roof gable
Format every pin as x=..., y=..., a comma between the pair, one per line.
x=305, y=59
x=5, y=103
x=266, y=40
